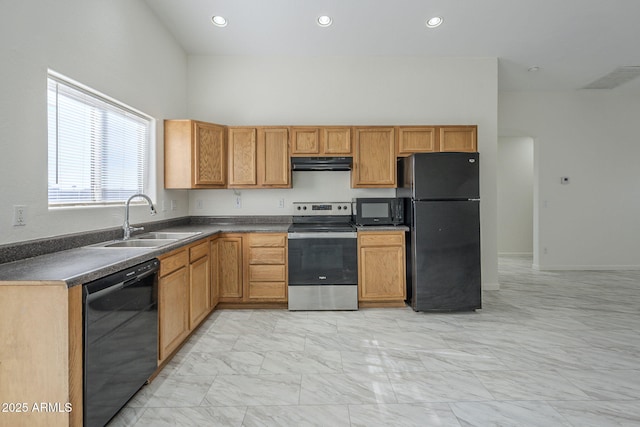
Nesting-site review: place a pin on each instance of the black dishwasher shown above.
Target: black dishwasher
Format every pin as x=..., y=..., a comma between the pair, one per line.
x=120, y=339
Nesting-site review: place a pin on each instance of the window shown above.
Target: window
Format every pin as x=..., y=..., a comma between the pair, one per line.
x=97, y=146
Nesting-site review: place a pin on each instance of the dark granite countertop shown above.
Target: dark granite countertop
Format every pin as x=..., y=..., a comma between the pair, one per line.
x=382, y=228
x=84, y=264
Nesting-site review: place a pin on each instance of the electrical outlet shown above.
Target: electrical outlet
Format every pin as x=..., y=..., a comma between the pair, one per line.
x=199, y=204
x=164, y=206
x=19, y=215
x=281, y=203
x=174, y=205
x=238, y=202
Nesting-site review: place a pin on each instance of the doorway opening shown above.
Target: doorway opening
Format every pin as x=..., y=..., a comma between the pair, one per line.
x=516, y=194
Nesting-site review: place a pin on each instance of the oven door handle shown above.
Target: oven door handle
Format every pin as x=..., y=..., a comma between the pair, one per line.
x=323, y=235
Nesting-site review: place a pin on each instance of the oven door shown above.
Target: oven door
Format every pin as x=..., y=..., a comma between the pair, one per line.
x=323, y=259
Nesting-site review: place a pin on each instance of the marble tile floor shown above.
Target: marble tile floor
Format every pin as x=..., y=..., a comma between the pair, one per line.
x=548, y=349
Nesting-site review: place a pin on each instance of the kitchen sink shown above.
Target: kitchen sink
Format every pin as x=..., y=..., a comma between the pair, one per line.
x=137, y=243
x=167, y=235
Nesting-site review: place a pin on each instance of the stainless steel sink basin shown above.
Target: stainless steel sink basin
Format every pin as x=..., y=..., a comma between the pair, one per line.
x=137, y=243
x=167, y=235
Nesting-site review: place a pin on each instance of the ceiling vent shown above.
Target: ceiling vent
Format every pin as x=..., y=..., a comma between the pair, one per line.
x=615, y=78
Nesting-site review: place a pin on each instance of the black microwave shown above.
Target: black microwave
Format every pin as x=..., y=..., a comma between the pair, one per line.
x=378, y=211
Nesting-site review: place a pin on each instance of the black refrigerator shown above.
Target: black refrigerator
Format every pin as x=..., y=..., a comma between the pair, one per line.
x=441, y=193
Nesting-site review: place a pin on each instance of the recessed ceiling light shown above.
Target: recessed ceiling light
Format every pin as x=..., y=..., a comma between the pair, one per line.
x=324, y=21
x=219, y=21
x=434, y=22
x=533, y=69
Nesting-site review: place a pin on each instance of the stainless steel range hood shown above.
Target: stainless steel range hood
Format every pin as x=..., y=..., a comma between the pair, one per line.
x=321, y=163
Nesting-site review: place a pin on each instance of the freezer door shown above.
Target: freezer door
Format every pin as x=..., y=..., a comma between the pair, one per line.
x=441, y=176
x=445, y=252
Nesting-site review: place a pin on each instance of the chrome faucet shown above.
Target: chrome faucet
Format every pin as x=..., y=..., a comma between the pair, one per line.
x=126, y=227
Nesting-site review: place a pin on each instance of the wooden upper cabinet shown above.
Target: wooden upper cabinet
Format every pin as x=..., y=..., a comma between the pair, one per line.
x=417, y=139
x=242, y=157
x=274, y=166
x=337, y=141
x=259, y=158
x=305, y=141
x=320, y=141
x=458, y=138
x=195, y=154
x=374, y=163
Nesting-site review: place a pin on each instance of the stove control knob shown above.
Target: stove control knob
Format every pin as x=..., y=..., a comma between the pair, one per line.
x=339, y=207
x=298, y=208
x=344, y=207
x=304, y=207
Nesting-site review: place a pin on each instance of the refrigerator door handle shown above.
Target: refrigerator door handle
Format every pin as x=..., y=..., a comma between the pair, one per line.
x=474, y=200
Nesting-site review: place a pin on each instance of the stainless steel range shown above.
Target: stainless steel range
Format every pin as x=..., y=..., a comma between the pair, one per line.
x=323, y=263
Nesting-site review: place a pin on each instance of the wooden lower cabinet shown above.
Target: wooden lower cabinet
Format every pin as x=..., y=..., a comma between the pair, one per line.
x=173, y=302
x=40, y=353
x=184, y=294
x=252, y=269
x=214, y=284
x=230, y=267
x=381, y=268
x=199, y=283
x=267, y=267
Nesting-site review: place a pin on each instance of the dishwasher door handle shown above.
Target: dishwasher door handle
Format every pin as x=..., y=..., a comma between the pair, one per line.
x=92, y=296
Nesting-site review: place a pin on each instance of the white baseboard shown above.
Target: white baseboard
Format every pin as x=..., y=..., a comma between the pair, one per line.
x=585, y=267
x=515, y=253
x=490, y=286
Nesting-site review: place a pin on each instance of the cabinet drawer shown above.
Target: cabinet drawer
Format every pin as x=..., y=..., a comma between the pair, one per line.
x=267, y=290
x=266, y=256
x=198, y=251
x=382, y=239
x=173, y=262
x=266, y=273
x=268, y=240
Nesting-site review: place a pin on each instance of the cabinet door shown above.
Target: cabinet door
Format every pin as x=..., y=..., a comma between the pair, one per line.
x=375, y=158
x=215, y=271
x=199, y=296
x=382, y=273
x=210, y=163
x=273, y=161
x=305, y=141
x=173, y=315
x=230, y=268
x=242, y=157
x=337, y=141
x=458, y=138
x=416, y=140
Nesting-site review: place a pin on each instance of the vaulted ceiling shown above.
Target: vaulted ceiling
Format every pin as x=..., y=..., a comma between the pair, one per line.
x=571, y=42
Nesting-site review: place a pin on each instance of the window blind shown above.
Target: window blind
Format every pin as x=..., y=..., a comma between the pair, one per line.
x=97, y=147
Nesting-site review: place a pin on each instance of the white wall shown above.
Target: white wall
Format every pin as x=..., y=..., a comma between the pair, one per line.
x=592, y=137
x=236, y=90
x=515, y=195
x=117, y=47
